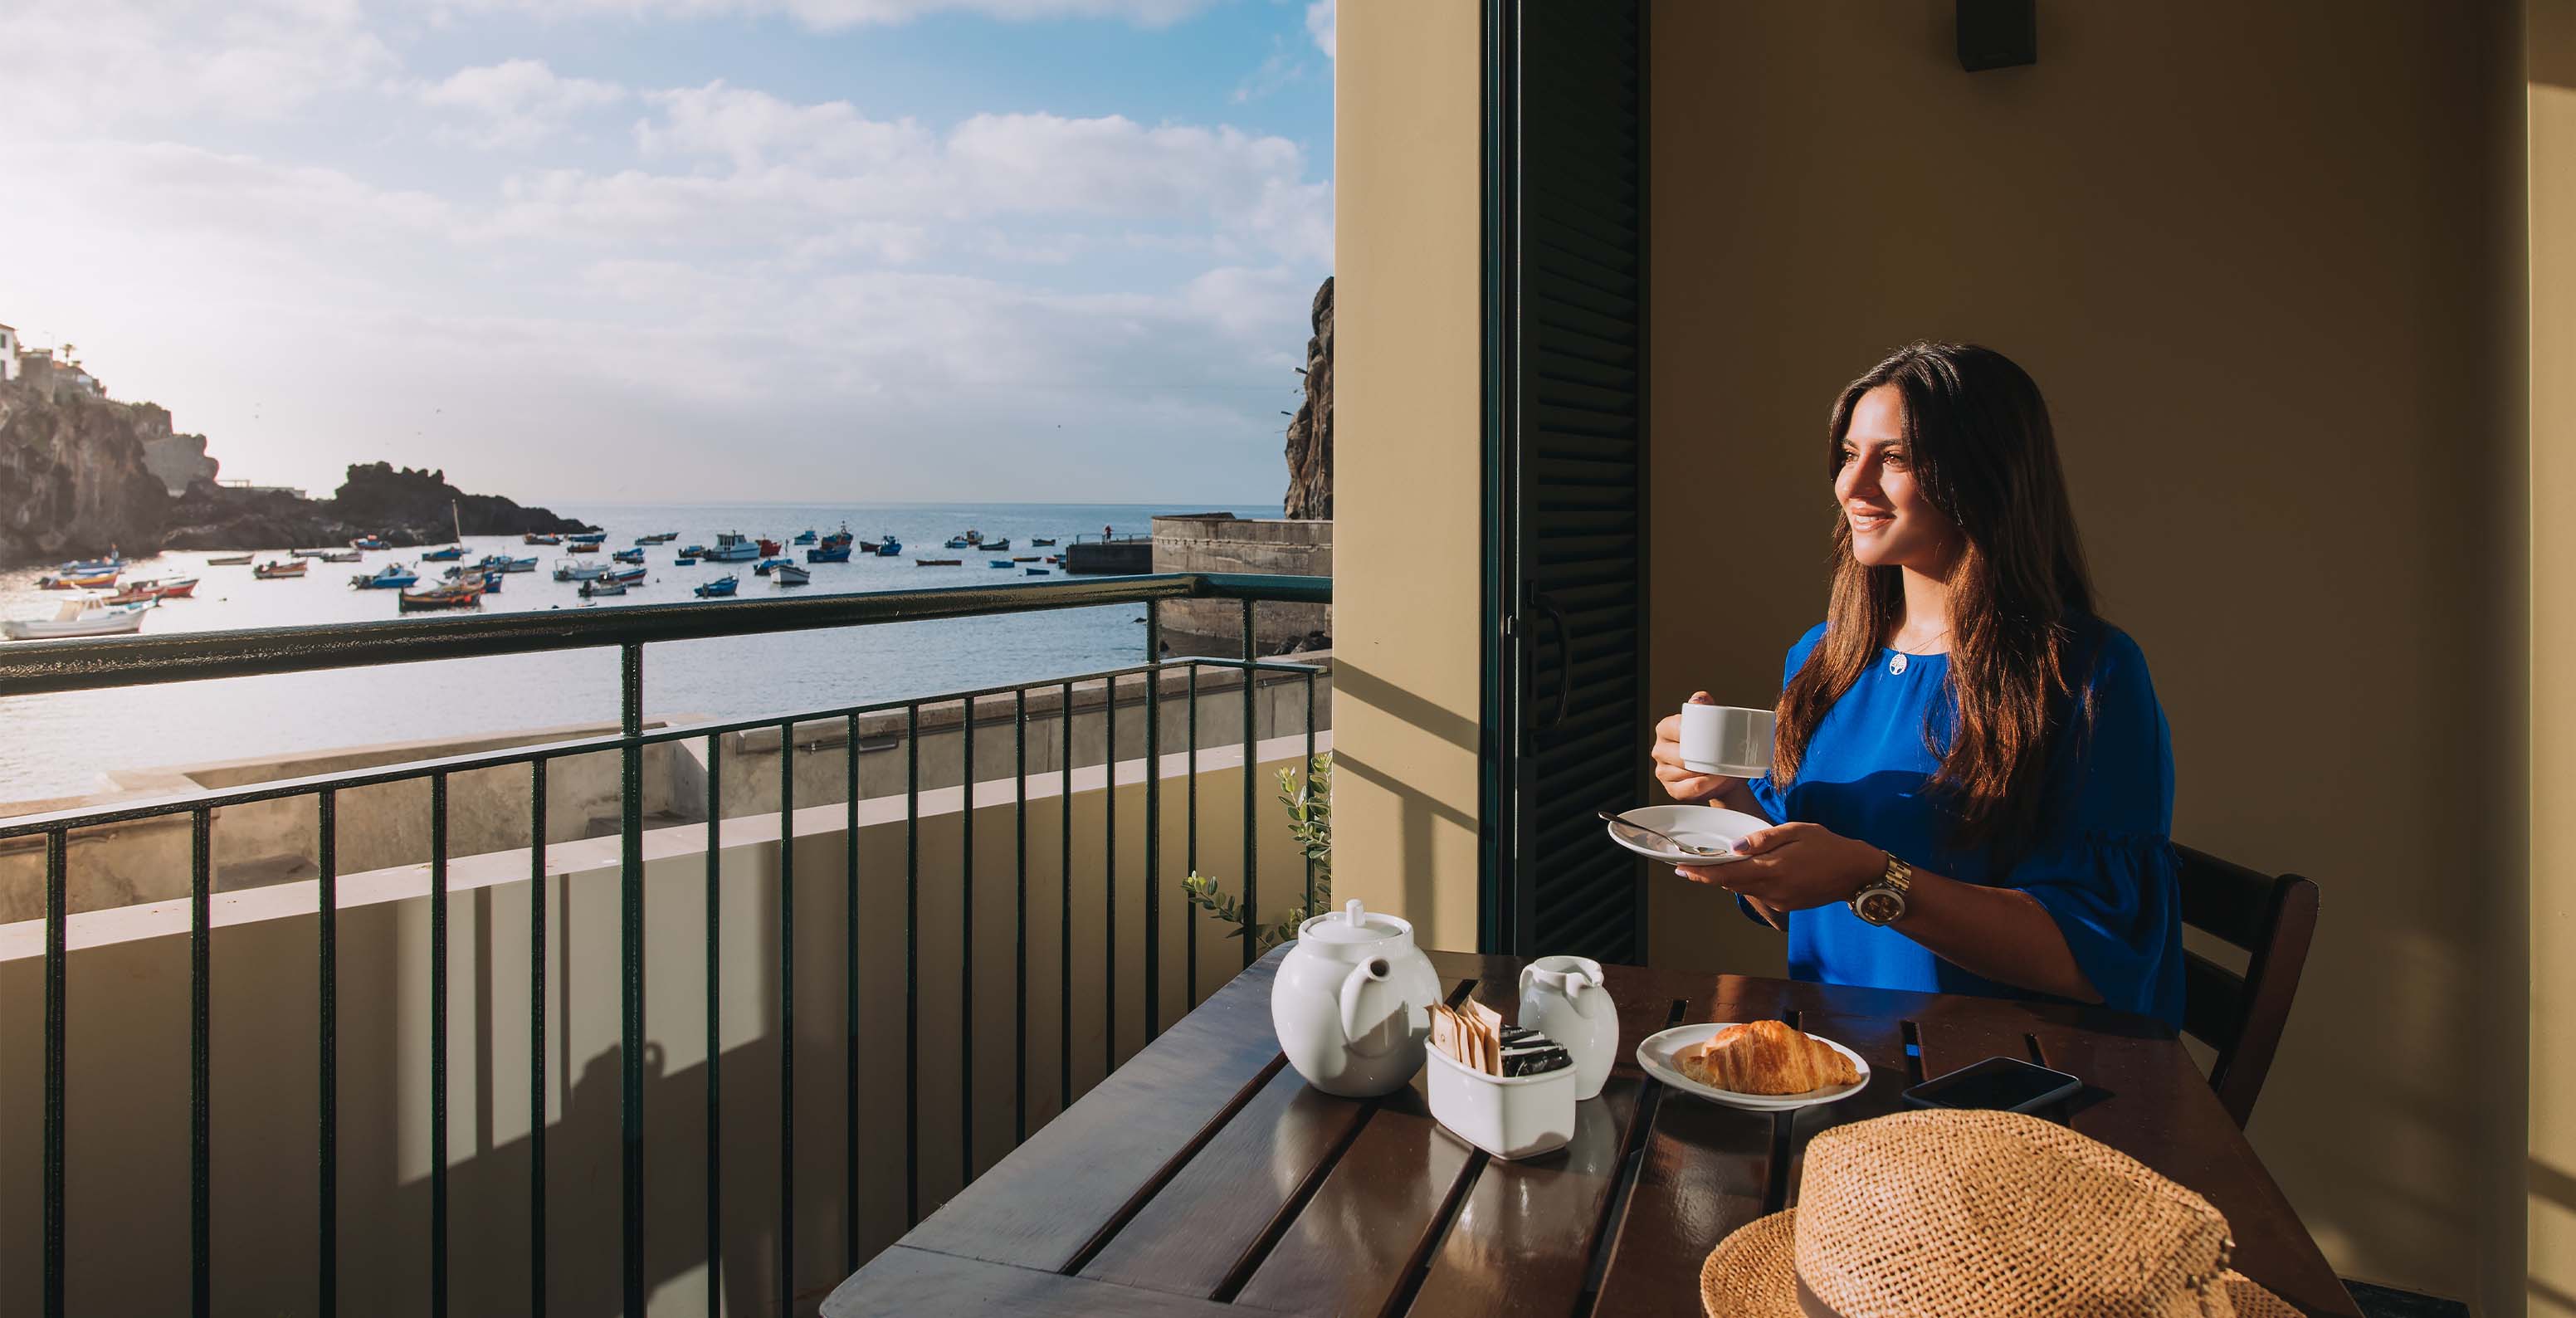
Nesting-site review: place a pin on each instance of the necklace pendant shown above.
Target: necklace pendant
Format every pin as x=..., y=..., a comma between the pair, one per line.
x=1896, y=662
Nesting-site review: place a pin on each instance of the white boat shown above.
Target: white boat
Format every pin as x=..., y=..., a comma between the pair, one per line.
x=574, y=569
x=732, y=547
x=81, y=615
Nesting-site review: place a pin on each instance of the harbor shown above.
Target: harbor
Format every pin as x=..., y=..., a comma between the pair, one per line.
x=61, y=744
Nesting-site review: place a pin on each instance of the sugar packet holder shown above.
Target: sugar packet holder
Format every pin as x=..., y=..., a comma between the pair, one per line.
x=1510, y=1116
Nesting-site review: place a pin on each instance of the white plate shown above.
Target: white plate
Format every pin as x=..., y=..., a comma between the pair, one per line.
x=1708, y=826
x=1656, y=1053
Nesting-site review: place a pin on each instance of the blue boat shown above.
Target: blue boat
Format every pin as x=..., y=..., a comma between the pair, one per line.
x=1035, y=571
x=724, y=585
x=628, y=555
x=836, y=554
x=591, y=538
x=447, y=555
x=892, y=548
x=959, y=542
x=491, y=583
x=998, y=562
x=631, y=576
x=806, y=537
x=694, y=551
x=768, y=565
x=505, y=563
x=685, y=560
x=392, y=576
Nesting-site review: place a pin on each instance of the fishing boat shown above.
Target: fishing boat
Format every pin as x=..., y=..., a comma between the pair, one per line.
x=841, y=537
x=586, y=538
x=532, y=538
x=341, y=556
x=570, y=569
x=939, y=562
x=81, y=615
x=230, y=560
x=276, y=570
x=129, y=595
x=448, y=555
x=892, y=548
x=505, y=563
x=1024, y=558
x=958, y=542
x=371, y=542
x=596, y=589
x=80, y=581
x=770, y=548
x=998, y=562
x=1037, y=571
x=788, y=574
x=732, y=547
x=835, y=554
x=724, y=585
x=307, y=553
x=1001, y=546
x=628, y=555
x=164, y=588
x=487, y=578
x=685, y=560
x=658, y=538
x=392, y=576
x=581, y=547
x=805, y=537
x=1042, y=540
x=624, y=576
x=767, y=565
x=462, y=595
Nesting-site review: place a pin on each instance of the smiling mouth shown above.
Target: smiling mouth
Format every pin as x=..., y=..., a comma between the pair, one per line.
x=1869, y=521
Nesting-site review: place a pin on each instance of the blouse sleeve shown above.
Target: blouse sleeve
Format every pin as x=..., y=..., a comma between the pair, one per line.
x=2105, y=868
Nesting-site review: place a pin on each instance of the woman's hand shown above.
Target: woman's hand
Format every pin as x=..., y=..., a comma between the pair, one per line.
x=1680, y=781
x=1794, y=867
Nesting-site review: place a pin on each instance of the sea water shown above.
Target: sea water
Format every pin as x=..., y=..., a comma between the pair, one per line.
x=63, y=744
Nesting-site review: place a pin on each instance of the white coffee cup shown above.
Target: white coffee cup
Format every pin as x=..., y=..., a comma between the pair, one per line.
x=1727, y=739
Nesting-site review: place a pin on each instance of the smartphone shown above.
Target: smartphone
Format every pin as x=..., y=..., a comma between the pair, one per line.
x=1999, y=1084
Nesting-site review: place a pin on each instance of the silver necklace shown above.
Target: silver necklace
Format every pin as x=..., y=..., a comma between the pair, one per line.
x=1896, y=662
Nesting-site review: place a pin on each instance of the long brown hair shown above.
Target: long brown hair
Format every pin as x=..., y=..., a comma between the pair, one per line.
x=1978, y=442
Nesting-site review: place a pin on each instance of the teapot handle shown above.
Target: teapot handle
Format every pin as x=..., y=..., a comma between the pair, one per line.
x=1373, y=970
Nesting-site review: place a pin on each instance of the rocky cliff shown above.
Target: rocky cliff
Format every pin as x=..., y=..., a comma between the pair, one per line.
x=80, y=476
x=73, y=479
x=1310, y=436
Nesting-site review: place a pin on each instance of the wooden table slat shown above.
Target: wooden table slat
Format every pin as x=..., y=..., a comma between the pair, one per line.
x=1041, y=1205
x=903, y=1282
x=1215, y=1211
x=1523, y=1239
x=1372, y=1219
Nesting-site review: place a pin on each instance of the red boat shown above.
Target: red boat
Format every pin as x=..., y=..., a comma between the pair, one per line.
x=165, y=588
x=273, y=570
x=771, y=548
x=462, y=596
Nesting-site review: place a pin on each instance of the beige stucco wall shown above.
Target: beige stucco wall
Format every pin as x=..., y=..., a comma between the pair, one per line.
x=2266, y=262
x=128, y=1051
x=2552, y=1167
x=1407, y=504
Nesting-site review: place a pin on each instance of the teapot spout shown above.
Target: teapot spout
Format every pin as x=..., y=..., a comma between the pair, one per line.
x=1366, y=1040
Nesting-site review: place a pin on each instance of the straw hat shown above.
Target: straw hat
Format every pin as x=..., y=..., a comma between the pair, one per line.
x=1980, y=1215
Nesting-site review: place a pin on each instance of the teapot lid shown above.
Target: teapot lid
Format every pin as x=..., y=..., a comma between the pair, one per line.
x=1351, y=925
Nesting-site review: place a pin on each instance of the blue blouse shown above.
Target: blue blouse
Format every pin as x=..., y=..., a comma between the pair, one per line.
x=2104, y=866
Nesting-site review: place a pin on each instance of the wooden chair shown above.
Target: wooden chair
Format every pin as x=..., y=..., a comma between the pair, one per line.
x=2273, y=919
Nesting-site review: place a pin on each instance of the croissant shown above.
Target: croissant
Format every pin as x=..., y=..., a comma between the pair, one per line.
x=1766, y=1057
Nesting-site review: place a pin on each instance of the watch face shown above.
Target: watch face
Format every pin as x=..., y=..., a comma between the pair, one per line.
x=1880, y=906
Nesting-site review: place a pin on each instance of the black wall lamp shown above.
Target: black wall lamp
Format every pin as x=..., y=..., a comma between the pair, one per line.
x=1998, y=34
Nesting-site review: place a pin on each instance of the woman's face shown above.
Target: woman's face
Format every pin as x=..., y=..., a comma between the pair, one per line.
x=1892, y=524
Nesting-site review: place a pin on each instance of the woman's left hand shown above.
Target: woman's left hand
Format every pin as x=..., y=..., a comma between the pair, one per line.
x=1793, y=867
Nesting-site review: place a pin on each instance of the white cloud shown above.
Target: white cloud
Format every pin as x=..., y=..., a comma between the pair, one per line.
x=1276, y=73
x=830, y=15
x=753, y=128
x=517, y=103
x=77, y=69
x=1323, y=23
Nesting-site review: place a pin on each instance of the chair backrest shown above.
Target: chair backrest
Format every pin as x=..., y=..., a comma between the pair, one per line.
x=2272, y=918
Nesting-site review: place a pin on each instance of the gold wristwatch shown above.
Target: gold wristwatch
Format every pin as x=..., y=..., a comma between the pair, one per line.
x=1883, y=901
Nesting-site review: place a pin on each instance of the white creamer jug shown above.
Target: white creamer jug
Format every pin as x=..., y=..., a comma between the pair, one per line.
x=1352, y=1003
x=1562, y=997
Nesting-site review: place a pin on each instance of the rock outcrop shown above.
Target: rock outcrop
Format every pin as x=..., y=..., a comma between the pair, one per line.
x=1310, y=435
x=404, y=505
x=73, y=479
x=78, y=479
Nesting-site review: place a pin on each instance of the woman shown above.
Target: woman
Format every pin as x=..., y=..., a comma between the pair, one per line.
x=1972, y=786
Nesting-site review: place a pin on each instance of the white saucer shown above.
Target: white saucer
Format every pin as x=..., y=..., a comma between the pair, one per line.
x=1656, y=1053
x=1709, y=826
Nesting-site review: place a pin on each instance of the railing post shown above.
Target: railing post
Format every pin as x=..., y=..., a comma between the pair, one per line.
x=57, y=903
x=537, y=1037
x=631, y=969
x=786, y=1016
x=200, y=1066
x=1251, y=796
x=327, y=1052
x=438, y=1044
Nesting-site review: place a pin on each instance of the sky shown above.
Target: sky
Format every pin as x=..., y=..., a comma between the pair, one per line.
x=989, y=250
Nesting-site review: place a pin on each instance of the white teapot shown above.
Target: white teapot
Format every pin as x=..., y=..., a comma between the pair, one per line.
x=1563, y=998
x=1352, y=1003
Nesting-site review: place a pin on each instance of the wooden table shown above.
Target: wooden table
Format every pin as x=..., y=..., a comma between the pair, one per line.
x=1204, y=1178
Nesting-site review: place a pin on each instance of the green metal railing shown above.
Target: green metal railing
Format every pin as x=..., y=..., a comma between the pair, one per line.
x=49, y=666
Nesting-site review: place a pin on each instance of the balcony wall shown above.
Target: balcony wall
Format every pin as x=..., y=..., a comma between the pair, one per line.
x=128, y=1201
